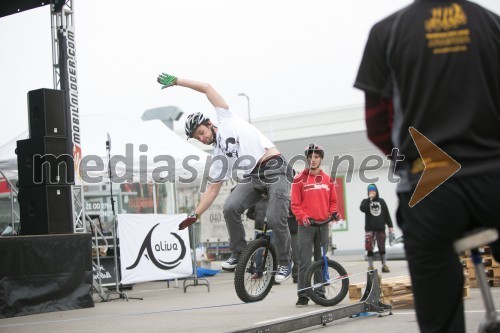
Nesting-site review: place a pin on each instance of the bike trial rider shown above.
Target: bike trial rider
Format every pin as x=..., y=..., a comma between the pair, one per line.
x=236, y=141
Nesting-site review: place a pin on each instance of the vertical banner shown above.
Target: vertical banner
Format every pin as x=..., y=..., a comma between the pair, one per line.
x=340, y=188
x=69, y=84
x=152, y=248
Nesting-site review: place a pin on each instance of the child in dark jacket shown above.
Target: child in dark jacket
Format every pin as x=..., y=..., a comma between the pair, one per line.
x=376, y=217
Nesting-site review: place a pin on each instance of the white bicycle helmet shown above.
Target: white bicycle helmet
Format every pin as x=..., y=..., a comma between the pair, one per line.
x=193, y=121
x=312, y=148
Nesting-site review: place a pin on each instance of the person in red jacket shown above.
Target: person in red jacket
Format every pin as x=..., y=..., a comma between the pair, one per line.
x=313, y=197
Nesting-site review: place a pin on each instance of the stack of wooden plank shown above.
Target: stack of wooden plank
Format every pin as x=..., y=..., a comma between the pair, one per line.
x=396, y=291
x=491, y=267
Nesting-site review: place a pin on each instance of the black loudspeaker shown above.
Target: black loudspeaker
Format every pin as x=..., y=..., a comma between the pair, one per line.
x=46, y=113
x=45, y=161
x=46, y=210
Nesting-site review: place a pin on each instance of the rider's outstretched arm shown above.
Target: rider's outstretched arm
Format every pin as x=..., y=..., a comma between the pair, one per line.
x=213, y=96
x=208, y=197
x=205, y=201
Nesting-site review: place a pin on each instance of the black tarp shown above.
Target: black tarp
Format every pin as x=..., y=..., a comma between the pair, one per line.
x=9, y=7
x=45, y=273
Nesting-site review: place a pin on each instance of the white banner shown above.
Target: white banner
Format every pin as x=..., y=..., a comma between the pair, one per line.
x=152, y=248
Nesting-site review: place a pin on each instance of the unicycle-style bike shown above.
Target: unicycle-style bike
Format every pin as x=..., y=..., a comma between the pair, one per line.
x=254, y=274
x=326, y=280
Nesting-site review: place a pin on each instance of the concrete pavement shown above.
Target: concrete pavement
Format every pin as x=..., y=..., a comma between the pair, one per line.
x=169, y=309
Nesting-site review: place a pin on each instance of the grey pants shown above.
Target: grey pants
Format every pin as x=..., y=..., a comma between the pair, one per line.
x=309, y=238
x=295, y=256
x=244, y=196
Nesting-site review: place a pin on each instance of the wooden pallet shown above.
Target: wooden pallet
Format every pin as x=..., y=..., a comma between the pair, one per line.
x=489, y=261
x=400, y=301
x=493, y=272
x=485, y=251
x=491, y=282
x=356, y=291
x=396, y=285
x=492, y=269
x=466, y=291
x=395, y=291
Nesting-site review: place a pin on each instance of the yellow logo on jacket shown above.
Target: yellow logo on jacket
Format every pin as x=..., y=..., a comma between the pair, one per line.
x=445, y=30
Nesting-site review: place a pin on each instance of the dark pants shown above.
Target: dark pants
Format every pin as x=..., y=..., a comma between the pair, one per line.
x=372, y=237
x=310, y=238
x=295, y=255
x=430, y=228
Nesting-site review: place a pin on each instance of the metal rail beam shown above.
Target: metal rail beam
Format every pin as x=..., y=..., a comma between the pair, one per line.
x=370, y=302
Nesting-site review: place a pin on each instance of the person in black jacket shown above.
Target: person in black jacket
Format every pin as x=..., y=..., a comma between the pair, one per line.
x=376, y=217
x=258, y=213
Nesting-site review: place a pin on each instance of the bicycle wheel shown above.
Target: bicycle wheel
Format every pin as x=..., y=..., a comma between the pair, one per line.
x=253, y=279
x=328, y=286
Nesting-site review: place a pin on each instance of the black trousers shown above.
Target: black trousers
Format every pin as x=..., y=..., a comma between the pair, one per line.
x=430, y=228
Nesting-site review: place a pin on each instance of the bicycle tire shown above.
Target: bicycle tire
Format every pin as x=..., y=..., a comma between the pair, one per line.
x=334, y=291
x=251, y=289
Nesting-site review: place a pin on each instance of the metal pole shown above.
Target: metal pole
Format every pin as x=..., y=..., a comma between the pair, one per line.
x=248, y=105
x=155, y=210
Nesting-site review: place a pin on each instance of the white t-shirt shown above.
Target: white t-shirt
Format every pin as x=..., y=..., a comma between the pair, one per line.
x=239, y=146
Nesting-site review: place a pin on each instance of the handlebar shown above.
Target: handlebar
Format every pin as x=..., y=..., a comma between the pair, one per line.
x=315, y=223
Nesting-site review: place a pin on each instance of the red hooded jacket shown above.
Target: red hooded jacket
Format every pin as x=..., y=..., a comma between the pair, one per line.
x=313, y=196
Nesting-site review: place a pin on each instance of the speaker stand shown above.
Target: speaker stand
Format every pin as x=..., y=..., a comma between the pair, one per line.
x=121, y=294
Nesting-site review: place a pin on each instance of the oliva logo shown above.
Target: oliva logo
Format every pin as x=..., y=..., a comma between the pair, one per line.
x=158, y=248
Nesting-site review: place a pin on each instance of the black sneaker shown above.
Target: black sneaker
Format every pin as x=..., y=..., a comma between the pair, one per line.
x=251, y=270
x=230, y=264
x=321, y=295
x=302, y=301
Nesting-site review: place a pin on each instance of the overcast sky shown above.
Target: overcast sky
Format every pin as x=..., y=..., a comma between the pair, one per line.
x=288, y=56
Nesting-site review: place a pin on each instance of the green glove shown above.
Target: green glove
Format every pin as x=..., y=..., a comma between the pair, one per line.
x=166, y=80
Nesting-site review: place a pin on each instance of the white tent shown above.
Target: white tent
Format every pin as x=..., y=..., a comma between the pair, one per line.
x=138, y=148
x=8, y=157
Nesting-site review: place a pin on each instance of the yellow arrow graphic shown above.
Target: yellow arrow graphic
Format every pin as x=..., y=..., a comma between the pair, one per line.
x=437, y=166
